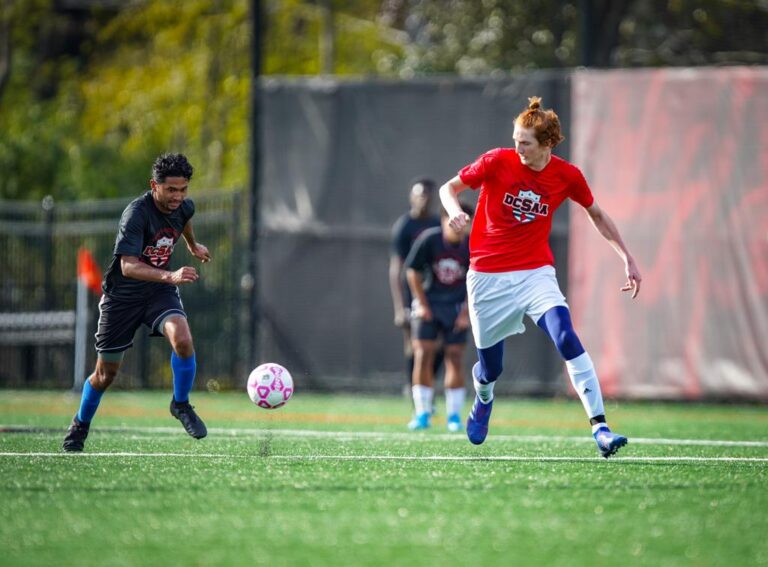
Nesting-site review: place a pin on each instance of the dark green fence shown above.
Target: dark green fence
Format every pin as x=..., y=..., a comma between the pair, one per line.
x=38, y=262
x=337, y=160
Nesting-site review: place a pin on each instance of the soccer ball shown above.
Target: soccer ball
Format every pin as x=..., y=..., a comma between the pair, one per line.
x=270, y=386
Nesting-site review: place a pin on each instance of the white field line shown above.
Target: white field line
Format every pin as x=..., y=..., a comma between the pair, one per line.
x=391, y=435
x=754, y=460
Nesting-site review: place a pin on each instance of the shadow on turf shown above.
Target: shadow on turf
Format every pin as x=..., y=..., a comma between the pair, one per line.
x=22, y=429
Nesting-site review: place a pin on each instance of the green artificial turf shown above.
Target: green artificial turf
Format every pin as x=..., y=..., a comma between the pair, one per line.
x=331, y=480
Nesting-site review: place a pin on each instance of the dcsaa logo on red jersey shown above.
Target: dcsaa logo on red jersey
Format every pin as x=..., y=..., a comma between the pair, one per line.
x=526, y=205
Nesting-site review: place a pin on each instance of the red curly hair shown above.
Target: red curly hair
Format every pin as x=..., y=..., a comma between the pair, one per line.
x=545, y=123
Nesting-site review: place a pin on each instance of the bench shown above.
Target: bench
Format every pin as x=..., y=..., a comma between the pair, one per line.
x=37, y=328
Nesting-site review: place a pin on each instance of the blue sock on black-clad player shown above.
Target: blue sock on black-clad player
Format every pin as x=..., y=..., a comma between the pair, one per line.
x=89, y=402
x=183, y=376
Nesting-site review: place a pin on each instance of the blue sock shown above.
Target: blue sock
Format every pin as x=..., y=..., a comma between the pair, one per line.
x=491, y=363
x=557, y=324
x=183, y=376
x=89, y=402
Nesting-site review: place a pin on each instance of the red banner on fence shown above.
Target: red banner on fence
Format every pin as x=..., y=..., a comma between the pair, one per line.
x=677, y=158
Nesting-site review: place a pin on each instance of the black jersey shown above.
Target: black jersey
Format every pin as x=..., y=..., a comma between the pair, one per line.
x=150, y=235
x=443, y=266
x=405, y=231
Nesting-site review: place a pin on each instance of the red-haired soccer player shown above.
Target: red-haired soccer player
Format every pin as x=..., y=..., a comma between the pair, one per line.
x=511, y=265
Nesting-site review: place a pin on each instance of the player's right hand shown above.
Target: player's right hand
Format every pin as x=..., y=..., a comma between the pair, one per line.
x=422, y=312
x=403, y=318
x=184, y=275
x=459, y=221
x=462, y=322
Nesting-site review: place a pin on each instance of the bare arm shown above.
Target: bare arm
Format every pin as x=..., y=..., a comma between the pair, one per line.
x=607, y=228
x=415, y=282
x=396, y=289
x=135, y=269
x=449, y=197
x=189, y=234
x=195, y=248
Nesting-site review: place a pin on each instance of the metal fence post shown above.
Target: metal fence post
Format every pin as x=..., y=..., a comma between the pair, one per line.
x=48, y=218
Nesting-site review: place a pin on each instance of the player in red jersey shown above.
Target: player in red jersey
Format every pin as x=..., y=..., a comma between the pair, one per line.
x=512, y=271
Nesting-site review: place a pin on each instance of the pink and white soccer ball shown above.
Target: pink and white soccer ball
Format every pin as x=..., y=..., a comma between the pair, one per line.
x=270, y=385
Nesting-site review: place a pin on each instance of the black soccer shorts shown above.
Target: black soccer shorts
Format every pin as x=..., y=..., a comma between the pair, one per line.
x=443, y=320
x=120, y=318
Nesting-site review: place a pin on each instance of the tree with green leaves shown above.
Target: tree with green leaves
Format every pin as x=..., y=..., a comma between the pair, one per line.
x=90, y=90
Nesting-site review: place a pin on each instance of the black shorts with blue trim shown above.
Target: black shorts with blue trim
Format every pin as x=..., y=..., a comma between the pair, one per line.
x=120, y=318
x=443, y=321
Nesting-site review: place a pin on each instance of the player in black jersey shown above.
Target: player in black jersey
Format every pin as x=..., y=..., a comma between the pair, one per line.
x=436, y=269
x=405, y=231
x=140, y=289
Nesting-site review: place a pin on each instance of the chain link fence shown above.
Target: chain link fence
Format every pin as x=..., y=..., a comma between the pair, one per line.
x=38, y=261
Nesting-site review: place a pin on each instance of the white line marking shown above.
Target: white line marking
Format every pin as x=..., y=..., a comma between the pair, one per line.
x=401, y=457
x=393, y=435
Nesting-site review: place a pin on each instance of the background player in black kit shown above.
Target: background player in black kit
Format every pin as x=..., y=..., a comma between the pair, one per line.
x=407, y=228
x=139, y=288
x=436, y=269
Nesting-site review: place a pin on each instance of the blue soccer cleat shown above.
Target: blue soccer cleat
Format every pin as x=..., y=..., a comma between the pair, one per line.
x=454, y=423
x=477, y=422
x=608, y=443
x=420, y=422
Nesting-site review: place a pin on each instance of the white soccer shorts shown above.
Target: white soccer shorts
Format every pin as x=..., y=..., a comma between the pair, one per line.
x=498, y=301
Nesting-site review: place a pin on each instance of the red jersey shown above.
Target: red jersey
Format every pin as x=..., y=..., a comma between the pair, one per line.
x=514, y=212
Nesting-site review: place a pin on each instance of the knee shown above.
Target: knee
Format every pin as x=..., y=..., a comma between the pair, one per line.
x=557, y=324
x=453, y=355
x=183, y=347
x=423, y=349
x=493, y=370
x=568, y=344
x=491, y=362
x=179, y=336
x=102, y=378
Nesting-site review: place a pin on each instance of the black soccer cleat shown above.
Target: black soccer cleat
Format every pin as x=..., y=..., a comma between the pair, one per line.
x=76, y=435
x=192, y=423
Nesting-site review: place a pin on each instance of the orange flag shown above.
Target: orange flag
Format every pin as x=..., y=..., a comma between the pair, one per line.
x=88, y=271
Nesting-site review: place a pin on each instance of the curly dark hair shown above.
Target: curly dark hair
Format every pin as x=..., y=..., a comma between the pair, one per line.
x=171, y=165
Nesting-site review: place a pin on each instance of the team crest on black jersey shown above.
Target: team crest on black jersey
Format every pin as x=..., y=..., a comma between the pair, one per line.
x=526, y=205
x=159, y=253
x=449, y=271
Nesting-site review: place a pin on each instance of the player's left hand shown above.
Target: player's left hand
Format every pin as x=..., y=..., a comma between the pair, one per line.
x=200, y=252
x=633, y=278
